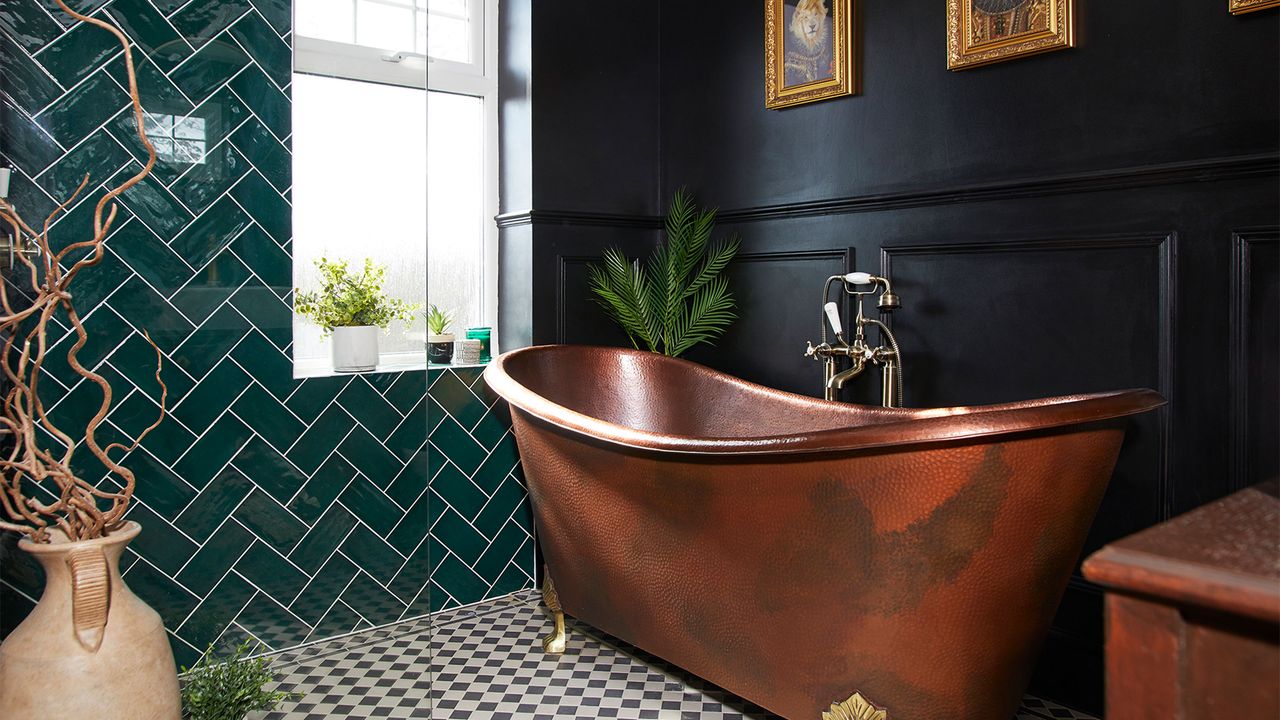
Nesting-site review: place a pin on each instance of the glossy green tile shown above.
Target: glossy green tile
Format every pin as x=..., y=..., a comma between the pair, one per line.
x=371, y=504
x=265, y=205
x=27, y=145
x=215, y=558
x=458, y=580
x=271, y=316
x=150, y=257
x=409, y=438
x=493, y=472
x=321, y=438
x=270, y=367
x=270, y=521
x=144, y=309
x=212, y=396
x=136, y=360
x=27, y=24
x=215, y=503
x=213, y=450
x=265, y=99
x=211, y=286
x=201, y=21
x=327, y=585
x=216, y=611
x=76, y=54
x=268, y=417
x=413, y=576
x=412, y=480
x=99, y=157
x=265, y=466
x=159, y=96
x=372, y=601
x=211, y=233
x=462, y=449
x=104, y=329
x=202, y=185
x=512, y=579
x=370, y=457
x=407, y=391
x=157, y=209
x=159, y=542
x=151, y=33
x=504, y=502
x=166, y=597
x=318, y=494
x=364, y=403
x=277, y=12
x=27, y=195
x=167, y=441
x=323, y=539
x=493, y=426
x=504, y=548
x=271, y=264
x=314, y=395
x=271, y=573
x=457, y=399
x=211, y=341
x=372, y=554
x=413, y=528
x=159, y=487
x=25, y=81
x=211, y=66
x=461, y=538
x=339, y=620
x=266, y=48
x=458, y=491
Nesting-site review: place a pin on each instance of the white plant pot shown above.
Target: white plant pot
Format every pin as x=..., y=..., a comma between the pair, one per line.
x=354, y=349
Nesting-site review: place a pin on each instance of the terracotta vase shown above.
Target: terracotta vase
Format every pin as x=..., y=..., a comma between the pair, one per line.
x=91, y=648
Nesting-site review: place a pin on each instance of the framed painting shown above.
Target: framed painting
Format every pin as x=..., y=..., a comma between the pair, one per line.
x=808, y=51
x=1239, y=7
x=981, y=32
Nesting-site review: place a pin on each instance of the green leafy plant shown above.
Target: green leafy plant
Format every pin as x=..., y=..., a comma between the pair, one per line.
x=230, y=689
x=438, y=320
x=350, y=299
x=680, y=297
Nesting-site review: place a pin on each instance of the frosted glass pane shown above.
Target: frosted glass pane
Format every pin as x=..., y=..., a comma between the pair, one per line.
x=449, y=7
x=325, y=19
x=384, y=26
x=359, y=191
x=455, y=196
x=448, y=38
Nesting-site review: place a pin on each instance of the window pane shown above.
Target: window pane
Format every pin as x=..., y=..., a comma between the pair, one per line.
x=448, y=38
x=455, y=197
x=326, y=19
x=359, y=189
x=384, y=26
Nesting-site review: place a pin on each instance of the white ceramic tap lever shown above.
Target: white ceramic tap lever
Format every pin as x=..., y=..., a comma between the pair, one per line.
x=859, y=278
x=833, y=317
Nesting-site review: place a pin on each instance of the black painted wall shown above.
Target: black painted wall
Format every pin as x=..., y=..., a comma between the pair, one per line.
x=1100, y=217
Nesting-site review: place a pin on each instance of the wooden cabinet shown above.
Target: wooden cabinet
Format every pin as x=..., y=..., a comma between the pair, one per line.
x=1193, y=613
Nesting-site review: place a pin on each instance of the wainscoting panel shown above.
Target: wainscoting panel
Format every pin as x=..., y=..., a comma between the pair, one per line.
x=1255, y=356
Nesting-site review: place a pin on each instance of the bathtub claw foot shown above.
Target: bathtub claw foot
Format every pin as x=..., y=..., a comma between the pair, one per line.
x=553, y=644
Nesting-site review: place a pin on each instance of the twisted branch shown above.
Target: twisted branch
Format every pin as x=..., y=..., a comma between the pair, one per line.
x=81, y=510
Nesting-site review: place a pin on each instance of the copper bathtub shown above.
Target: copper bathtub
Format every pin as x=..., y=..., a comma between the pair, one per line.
x=794, y=550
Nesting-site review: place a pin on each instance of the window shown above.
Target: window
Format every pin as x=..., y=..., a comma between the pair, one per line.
x=370, y=146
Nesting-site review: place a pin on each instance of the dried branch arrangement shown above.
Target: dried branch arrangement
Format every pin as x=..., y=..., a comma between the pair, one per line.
x=81, y=510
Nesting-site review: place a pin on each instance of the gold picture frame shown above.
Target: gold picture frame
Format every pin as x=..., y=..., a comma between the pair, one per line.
x=808, y=51
x=1240, y=7
x=981, y=32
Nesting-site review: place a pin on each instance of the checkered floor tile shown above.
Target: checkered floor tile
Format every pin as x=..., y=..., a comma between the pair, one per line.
x=488, y=663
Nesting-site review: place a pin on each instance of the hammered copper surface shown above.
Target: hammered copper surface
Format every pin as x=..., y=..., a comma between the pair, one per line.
x=794, y=550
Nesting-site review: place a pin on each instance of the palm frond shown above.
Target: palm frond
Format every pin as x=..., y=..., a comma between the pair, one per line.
x=679, y=297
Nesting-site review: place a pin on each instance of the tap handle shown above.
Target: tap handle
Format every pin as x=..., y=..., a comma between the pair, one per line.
x=860, y=278
x=833, y=317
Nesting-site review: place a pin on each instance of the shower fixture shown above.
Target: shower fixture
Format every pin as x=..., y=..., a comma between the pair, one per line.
x=858, y=352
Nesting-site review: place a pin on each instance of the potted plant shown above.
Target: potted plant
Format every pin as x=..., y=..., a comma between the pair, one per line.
x=90, y=648
x=230, y=689
x=351, y=307
x=439, y=340
x=680, y=297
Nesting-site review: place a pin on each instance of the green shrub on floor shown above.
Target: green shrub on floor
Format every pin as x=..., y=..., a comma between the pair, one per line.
x=229, y=689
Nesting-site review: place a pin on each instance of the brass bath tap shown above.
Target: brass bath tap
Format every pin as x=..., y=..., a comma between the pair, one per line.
x=859, y=353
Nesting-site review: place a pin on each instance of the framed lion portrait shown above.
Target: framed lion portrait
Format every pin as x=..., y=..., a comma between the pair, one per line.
x=808, y=51
x=981, y=32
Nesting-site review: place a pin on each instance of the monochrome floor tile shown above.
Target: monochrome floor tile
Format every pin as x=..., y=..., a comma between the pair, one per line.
x=488, y=664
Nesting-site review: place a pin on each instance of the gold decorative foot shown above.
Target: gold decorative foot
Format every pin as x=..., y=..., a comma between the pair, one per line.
x=553, y=644
x=855, y=708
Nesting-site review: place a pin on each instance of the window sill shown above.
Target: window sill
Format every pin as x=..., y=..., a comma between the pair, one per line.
x=390, y=363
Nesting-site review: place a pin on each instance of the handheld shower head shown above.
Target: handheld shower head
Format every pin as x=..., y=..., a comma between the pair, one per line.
x=833, y=317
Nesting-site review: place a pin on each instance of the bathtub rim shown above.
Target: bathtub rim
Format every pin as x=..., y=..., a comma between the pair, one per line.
x=917, y=426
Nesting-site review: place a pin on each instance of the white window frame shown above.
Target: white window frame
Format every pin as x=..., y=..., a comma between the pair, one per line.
x=404, y=67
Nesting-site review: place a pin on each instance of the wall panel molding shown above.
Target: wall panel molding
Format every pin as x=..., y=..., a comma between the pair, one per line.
x=1246, y=243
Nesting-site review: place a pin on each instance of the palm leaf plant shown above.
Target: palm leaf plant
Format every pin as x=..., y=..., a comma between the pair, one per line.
x=678, y=298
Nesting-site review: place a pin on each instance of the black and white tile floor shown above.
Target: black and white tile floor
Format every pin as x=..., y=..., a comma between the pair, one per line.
x=488, y=664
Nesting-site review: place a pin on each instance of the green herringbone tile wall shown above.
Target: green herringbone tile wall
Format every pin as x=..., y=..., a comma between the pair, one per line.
x=286, y=510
